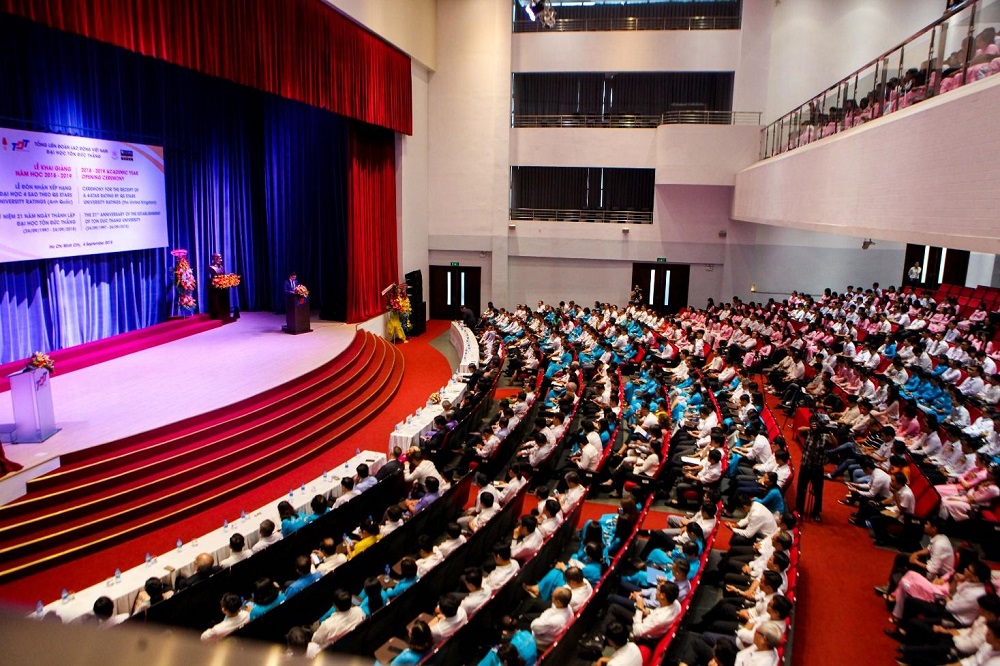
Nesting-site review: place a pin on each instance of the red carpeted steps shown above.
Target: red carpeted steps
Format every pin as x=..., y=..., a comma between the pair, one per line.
x=99, y=351
x=146, y=481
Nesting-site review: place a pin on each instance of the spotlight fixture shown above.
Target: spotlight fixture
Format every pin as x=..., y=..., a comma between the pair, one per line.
x=867, y=243
x=511, y=226
x=624, y=230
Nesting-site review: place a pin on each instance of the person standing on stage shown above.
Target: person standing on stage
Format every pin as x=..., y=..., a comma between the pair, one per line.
x=214, y=269
x=291, y=283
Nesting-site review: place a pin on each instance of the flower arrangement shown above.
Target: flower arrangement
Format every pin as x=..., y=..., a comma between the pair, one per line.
x=301, y=293
x=41, y=360
x=184, y=282
x=399, y=304
x=435, y=398
x=226, y=281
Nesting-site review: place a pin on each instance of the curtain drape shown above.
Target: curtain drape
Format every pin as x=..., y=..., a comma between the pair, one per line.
x=628, y=93
x=371, y=220
x=582, y=188
x=256, y=177
x=299, y=49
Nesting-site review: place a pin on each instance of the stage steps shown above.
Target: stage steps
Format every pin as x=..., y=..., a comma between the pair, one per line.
x=122, y=489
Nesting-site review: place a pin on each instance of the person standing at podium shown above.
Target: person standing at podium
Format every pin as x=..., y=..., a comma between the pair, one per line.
x=291, y=283
x=214, y=301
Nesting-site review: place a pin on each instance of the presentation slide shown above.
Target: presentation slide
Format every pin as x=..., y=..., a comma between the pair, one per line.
x=65, y=196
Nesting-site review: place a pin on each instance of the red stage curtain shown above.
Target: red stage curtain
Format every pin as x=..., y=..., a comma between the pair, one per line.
x=372, y=252
x=300, y=49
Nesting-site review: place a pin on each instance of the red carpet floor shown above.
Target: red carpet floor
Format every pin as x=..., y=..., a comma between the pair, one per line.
x=838, y=619
x=426, y=371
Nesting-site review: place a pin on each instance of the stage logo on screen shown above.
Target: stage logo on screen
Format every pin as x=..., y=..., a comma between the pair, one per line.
x=63, y=196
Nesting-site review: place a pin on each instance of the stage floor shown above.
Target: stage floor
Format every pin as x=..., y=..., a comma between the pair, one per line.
x=169, y=383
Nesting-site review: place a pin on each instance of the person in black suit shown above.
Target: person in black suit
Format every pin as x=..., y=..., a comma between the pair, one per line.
x=214, y=302
x=392, y=466
x=204, y=569
x=291, y=283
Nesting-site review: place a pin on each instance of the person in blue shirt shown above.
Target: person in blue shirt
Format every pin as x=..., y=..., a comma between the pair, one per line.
x=291, y=522
x=521, y=641
x=266, y=595
x=306, y=577
x=319, y=506
x=420, y=643
x=772, y=498
x=408, y=573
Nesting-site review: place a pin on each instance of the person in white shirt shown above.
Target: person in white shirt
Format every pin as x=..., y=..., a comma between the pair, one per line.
x=574, y=491
x=235, y=617
x=104, y=611
x=419, y=469
x=453, y=539
x=267, y=536
x=449, y=616
x=347, y=492
x=237, y=551
x=758, y=522
x=430, y=555
x=330, y=555
x=763, y=652
x=506, y=568
x=527, y=539
x=547, y=626
x=346, y=617
x=478, y=591
x=625, y=652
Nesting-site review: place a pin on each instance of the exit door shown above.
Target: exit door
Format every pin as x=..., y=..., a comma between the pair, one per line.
x=453, y=287
x=664, y=286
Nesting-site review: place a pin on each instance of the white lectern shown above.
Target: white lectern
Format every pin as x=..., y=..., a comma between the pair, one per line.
x=34, y=420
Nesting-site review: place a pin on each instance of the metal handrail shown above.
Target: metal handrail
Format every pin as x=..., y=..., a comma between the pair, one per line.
x=632, y=23
x=590, y=216
x=771, y=134
x=627, y=121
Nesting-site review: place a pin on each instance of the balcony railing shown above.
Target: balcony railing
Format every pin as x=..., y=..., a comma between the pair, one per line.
x=639, y=121
x=631, y=23
x=592, y=216
x=956, y=49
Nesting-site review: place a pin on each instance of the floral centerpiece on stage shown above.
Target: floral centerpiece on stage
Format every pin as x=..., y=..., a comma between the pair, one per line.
x=226, y=281
x=399, y=313
x=184, y=282
x=41, y=361
x=301, y=293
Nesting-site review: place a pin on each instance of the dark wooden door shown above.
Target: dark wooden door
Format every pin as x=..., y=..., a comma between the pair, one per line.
x=664, y=286
x=453, y=287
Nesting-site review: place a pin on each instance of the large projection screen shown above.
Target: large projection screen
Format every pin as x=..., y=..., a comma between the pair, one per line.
x=64, y=196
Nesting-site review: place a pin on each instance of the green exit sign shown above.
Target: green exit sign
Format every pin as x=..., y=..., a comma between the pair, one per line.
x=454, y=263
x=661, y=260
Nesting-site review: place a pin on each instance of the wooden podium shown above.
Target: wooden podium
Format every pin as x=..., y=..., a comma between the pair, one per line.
x=31, y=395
x=296, y=315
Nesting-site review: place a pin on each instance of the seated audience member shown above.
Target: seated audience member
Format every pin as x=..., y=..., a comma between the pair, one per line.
x=429, y=555
x=431, y=493
x=419, y=643
x=649, y=624
x=453, y=538
x=553, y=620
x=363, y=480
x=623, y=651
x=766, y=640
x=204, y=569
x=527, y=539
x=407, y=577
x=297, y=641
x=267, y=536
x=516, y=644
x=476, y=591
x=449, y=617
x=306, y=576
x=392, y=521
x=291, y=522
x=346, y=617
x=237, y=551
x=330, y=555
x=152, y=593
x=369, y=532
x=266, y=595
x=235, y=617
x=505, y=569
x=104, y=612
x=347, y=492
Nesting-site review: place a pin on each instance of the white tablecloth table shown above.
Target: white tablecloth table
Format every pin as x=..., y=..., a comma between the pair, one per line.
x=408, y=434
x=168, y=566
x=465, y=343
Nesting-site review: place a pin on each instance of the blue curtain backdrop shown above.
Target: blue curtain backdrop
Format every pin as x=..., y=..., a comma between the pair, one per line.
x=253, y=176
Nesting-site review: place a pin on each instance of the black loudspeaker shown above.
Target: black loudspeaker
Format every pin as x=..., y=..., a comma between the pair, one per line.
x=418, y=319
x=415, y=286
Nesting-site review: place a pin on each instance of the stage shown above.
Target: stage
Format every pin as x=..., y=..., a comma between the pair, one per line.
x=170, y=383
